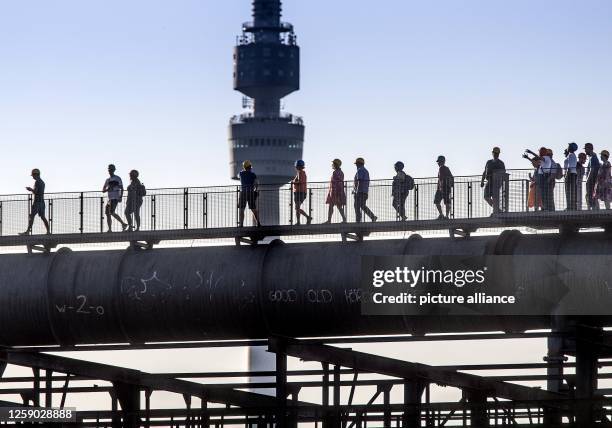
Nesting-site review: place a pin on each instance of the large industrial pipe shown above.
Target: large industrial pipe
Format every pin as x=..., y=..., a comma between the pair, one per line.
x=306, y=289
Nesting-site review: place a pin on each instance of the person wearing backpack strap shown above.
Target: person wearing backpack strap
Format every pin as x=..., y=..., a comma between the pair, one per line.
x=402, y=184
x=494, y=175
x=135, y=194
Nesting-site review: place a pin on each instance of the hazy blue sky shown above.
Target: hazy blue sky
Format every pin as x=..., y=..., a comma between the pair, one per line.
x=147, y=84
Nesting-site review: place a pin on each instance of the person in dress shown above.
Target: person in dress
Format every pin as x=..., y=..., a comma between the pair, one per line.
x=336, y=195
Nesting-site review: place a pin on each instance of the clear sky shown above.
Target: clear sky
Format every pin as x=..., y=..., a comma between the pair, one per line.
x=147, y=84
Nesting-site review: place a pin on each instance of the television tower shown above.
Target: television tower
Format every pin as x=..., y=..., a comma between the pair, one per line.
x=266, y=69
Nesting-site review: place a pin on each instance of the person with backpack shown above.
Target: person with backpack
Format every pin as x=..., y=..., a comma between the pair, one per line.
x=402, y=185
x=446, y=182
x=136, y=191
x=494, y=174
x=38, y=204
x=113, y=187
x=571, y=177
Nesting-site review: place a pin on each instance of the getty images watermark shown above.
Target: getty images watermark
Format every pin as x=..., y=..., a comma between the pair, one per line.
x=484, y=285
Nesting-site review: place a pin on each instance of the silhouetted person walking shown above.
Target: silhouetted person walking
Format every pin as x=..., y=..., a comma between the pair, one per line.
x=38, y=204
x=445, y=186
x=300, y=190
x=401, y=186
x=571, y=177
x=249, y=186
x=136, y=191
x=591, y=181
x=580, y=171
x=113, y=186
x=494, y=175
x=361, y=187
x=336, y=195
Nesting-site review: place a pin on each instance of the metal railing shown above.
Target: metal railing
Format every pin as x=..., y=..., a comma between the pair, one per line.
x=218, y=207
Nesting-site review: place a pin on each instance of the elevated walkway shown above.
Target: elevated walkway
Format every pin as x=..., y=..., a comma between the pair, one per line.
x=564, y=221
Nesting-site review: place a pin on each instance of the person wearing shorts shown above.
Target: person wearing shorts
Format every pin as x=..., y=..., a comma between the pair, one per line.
x=248, y=193
x=300, y=189
x=38, y=204
x=113, y=187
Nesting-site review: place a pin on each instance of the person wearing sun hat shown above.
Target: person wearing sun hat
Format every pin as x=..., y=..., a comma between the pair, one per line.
x=493, y=174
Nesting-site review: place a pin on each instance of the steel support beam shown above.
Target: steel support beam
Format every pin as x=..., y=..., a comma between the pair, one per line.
x=409, y=370
x=587, y=348
x=134, y=377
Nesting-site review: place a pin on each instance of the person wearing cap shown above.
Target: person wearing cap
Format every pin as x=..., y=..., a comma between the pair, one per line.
x=38, y=204
x=580, y=171
x=570, y=165
x=249, y=190
x=113, y=187
x=446, y=182
x=591, y=173
x=494, y=174
x=336, y=196
x=361, y=187
x=603, y=188
x=401, y=186
x=136, y=191
x=300, y=188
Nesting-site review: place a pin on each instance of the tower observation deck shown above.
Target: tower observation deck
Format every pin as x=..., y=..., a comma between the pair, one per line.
x=266, y=69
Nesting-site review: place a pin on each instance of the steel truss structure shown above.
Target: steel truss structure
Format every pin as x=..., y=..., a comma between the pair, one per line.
x=571, y=398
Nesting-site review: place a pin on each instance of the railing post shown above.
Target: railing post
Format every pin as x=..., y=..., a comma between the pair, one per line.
x=153, y=212
x=237, y=206
x=310, y=202
x=51, y=215
x=506, y=200
x=29, y=204
x=470, y=199
x=205, y=210
x=527, y=185
x=81, y=210
x=290, y=204
x=416, y=201
x=101, y=214
x=186, y=208
x=0, y=217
